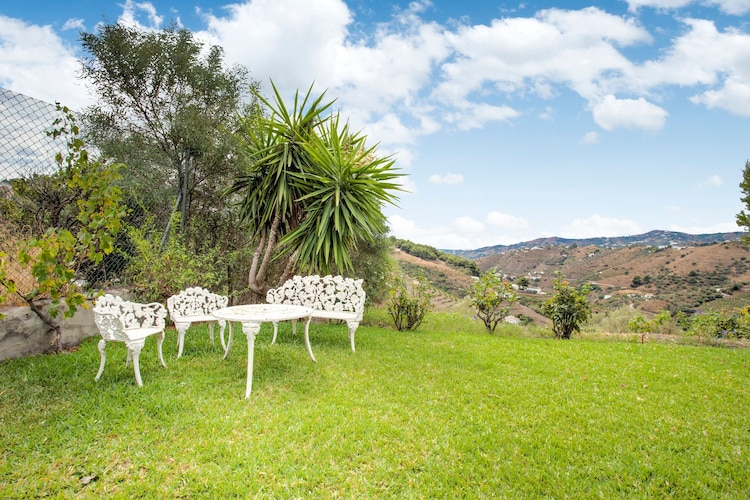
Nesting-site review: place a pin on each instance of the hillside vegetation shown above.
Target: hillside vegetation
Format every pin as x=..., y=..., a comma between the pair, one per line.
x=646, y=278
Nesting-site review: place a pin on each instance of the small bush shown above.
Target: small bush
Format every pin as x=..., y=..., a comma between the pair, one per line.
x=492, y=297
x=408, y=308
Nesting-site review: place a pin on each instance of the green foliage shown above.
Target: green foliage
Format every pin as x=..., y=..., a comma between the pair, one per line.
x=523, y=282
x=166, y=106
x=371, y=261
x=96, y=215
x=726, y=324
x=568, y=308
x=157, y=275
x=427, y=252
x=743, y=218
x=639, y=324
x=408, y=305
x=312, y=189
x=492, y=298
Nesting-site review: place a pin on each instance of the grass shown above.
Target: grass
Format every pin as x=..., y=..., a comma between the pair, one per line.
x=443, y=413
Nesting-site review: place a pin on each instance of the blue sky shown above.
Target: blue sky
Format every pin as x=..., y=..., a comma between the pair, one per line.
x=512, y=120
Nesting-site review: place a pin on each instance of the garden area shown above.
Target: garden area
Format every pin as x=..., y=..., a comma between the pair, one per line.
x=237, y=191
x=443, y=411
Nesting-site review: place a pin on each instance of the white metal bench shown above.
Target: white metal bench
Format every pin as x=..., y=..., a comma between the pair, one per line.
x=120, y=320
x=195, y=305
x=330, y=297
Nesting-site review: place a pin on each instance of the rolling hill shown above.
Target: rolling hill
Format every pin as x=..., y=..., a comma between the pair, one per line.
x=652, y=272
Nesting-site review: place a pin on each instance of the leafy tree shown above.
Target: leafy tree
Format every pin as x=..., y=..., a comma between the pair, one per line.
x=523, y=282
x=568, y=308
x=408, y=305
x=56, y=257
x=743, y=218
x=492, y=298
x=166, y=106
x=311, y=192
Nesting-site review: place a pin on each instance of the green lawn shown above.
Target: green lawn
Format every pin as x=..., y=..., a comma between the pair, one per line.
x=415, y=414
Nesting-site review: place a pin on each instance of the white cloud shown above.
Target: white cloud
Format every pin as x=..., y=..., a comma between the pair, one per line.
x=611, y=113
x=733, y=97
x=473, y=115
x=596, y=226
x=73, y=24
x=446, y=179
x=590, y=138
x=735, y=7
x=141, y=15
x=35, y=61
x=712, y=181
x=464, y=233
x=468, y=224
x=506, y=221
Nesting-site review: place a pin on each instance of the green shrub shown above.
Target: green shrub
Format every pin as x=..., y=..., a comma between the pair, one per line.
x=158, y=274
x=491, y=297
x=408, y=308
x=568, y=308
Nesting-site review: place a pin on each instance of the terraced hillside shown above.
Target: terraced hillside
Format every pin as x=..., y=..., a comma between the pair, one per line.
x=649, y=278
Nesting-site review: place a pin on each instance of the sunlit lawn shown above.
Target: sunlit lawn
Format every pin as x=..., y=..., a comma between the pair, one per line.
x=432, y=413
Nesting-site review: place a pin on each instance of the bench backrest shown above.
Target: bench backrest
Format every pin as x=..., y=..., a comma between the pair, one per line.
x=113, y=315
x=195, y=301
x=327, y=293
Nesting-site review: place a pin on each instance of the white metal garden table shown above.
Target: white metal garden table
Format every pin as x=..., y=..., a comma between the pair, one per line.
x=252, y=316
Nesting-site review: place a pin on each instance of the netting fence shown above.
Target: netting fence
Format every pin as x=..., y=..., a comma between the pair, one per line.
x=27, y=170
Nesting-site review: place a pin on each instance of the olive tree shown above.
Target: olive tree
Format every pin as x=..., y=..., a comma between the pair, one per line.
x=568, y=308
x=166, y=106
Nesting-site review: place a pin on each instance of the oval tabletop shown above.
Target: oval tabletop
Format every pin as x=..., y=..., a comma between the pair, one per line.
x=262, y=312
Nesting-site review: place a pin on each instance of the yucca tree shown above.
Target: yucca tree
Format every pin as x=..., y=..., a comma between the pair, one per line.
x=311, y=191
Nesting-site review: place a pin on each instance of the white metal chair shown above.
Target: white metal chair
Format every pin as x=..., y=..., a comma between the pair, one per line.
x=120, y=320
x=195, y=305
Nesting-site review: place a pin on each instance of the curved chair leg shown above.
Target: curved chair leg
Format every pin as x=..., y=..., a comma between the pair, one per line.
x=211, y=331
x=222, y=327
x=352, y=329
x=134, y=349
x=159, y=342
x=307, y=339
x=229, y=340
x=275, y=331
x=181, y=329
x=102, y=345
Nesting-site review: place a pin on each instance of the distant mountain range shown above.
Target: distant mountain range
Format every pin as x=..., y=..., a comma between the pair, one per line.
x=653, y=238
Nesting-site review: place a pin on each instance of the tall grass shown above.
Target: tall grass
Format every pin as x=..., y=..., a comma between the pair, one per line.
x=438, y=412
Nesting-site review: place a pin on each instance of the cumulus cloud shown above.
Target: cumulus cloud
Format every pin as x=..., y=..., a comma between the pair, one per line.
x=446, y=179
x=596, y=225
x=36, y=62
x=611, y=113
x=733, y=97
